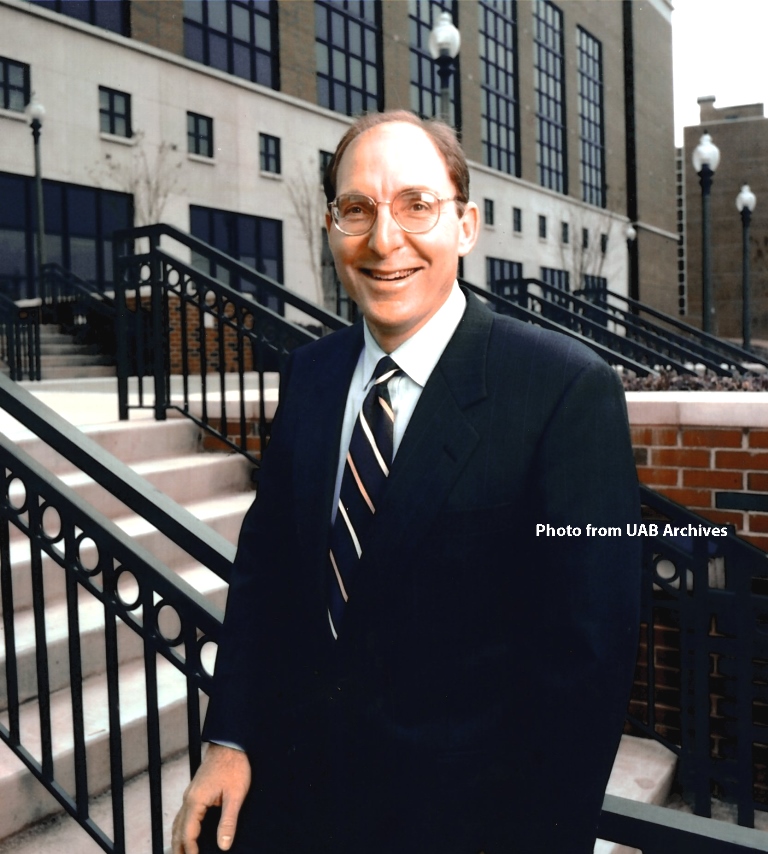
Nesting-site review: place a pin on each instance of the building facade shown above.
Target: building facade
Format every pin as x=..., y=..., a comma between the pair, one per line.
x=741, y=134
x=217, y=116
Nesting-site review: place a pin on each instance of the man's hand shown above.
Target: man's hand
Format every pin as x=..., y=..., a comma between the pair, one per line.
x=223, y=779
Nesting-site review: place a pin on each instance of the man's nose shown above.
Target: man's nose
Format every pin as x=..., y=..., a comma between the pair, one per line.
x=385, y=234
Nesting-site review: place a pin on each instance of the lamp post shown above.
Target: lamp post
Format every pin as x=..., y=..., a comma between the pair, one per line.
x=444, y=44
x=706, y=157
x=36, y=114
x=745, y=204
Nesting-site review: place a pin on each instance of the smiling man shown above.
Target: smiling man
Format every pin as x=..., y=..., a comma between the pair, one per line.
x=405, y=667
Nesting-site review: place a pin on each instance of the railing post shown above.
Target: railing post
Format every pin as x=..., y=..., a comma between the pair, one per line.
x=158, y=330
x=121, y=328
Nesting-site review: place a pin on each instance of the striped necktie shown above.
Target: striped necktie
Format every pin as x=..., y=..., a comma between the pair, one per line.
x=365, y=473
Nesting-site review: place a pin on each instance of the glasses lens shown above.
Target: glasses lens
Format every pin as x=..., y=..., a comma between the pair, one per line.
x=354, y=213
x=416, y=210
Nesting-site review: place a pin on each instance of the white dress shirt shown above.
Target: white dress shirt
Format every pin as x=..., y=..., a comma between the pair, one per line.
x=417, y=357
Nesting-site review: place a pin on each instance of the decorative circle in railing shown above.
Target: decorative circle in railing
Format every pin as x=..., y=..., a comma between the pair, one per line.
x=666, y=573
x=128, y=589
x=168, y=623
x=87, y=554
x=16, y=490
x=208, y=651
x=50, y=523
x=145, y=273
x=172, y=276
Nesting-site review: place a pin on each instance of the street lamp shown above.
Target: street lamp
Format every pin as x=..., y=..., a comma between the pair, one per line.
x=706, y=157
x=36, y=114
x=444, y=44
x=745, y=204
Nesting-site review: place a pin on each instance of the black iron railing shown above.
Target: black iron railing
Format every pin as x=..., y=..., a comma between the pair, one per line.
x=705, y=611
x=152, y=634
x=199, y=346
x=20, y=339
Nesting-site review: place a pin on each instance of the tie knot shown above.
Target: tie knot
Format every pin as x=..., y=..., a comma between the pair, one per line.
x=385, y=370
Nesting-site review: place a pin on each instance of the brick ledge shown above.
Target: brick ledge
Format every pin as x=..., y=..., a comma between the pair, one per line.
x=699, y=408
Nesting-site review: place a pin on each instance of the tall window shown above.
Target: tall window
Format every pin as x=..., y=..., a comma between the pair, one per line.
x=108, y=14
x=114, y=112
x=199, y=135
x=498, y=66
x=269, y=153
x=236, y=36
x=550, y=96
x=591, y=125
x=517, y=220
x=502, y=277
x=254, y=240
x=425, y=85
x=559, y=279
x=14, y=85
x=79, y=222
x=348, y=51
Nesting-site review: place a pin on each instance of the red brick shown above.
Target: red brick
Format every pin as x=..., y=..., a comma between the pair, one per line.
x=654, y=435
x=657, y=477
x=760, y=542
x=713, y=479
x=758, y=438
x=697, y=437
x=758, y=523
x=744, y=460
x=724, y=517
x=757, y=481
x=687, y=458
x=690, y=497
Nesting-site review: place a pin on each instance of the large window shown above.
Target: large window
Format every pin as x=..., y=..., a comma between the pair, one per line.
x=269, y=153
x=199, y=135
x=114, y=112
x=559, y=279
x=503, y=277
x=14, y=85
x=498, y=66
x=79, y=222
x=254, y=240
x=347, y=52
x=236, y=36
x=108, y=14
x=425, y=84
x=550, y=96
x=591, y=127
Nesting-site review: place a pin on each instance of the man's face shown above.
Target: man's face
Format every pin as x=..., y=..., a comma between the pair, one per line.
x=399, y=280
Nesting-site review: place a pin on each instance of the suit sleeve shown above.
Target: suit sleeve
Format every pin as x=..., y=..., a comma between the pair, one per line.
x=588, y=617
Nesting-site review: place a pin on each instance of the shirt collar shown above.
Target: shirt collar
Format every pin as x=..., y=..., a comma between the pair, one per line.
x=419, y=354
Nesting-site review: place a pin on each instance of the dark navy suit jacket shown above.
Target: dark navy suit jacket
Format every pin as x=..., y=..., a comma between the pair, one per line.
x=475, y=697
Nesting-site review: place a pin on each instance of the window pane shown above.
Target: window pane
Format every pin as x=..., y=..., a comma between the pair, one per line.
x=241, y=61
x=217, y=46
x=193, y=43
x=193, y=9
x=217, y=15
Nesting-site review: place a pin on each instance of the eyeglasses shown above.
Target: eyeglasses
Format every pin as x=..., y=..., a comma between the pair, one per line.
x=415, y=211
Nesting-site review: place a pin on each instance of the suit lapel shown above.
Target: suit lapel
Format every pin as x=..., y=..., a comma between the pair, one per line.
x=437, y=444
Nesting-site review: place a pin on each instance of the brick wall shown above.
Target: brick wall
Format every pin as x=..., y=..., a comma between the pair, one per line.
x=700, y=452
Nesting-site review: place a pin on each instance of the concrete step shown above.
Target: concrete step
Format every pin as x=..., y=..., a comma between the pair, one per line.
x=224, y=515
x=643, y=771
x=76, y=359
x=63, y=835
x=65, y=372
x=23, y=798
x=91, y=624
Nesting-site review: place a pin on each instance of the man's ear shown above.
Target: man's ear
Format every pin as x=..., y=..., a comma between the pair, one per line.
x=328, y=222
x=469, y=226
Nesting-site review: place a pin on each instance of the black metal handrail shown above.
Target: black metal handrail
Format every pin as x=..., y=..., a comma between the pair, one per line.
x=620, y=351
x=713, y=591
x=20, y=338
x=100, y=563
x=224, y=338
x=717, y=349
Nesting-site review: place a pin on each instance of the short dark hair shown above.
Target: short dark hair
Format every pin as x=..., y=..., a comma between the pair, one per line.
x=441, y=134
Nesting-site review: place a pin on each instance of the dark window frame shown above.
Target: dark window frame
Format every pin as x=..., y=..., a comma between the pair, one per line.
x=489, y=212
x=8, y=88
x=549, y=85
x=565, y=233
x=95, y=13
x=500, y=110
x=591, y=118
x=112, y=114
x=500, y=274
x=218, y=43
x=542, y=227
x=517, y=220
x=269, y=154
x=349, y=52
x=199, y=134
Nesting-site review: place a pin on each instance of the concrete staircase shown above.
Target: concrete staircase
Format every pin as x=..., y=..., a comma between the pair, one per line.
x=61, y=357
x=216, y=489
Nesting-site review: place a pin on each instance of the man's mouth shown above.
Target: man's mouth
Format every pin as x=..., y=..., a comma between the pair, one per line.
x=389, y=277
